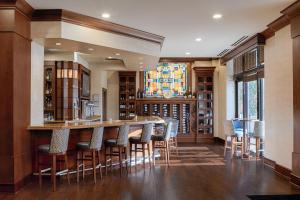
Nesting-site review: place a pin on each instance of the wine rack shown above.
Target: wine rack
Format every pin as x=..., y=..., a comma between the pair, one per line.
x=127, y=95
x=184, y=110
x=49, y=90
x=205, y=101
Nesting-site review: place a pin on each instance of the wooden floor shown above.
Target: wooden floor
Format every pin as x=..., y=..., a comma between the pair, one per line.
x=234, y=180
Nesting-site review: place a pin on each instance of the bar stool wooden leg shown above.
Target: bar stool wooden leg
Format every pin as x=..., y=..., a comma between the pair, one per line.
x=100, y=166
x=168, y=152
x=94, y=165
x=53, y=172
x=257, y=143
x=149, y=156
x=77, y=165
x=135, y=154
x=130, y=152
x=225, y=146
x=153, y=152
x=126, y=160
x=83, y=167
x=67, y=167
x=143, y=149
x=40, y=170
x=105, y=159
x=232, y=146
x=120, y=160
x=110, y=157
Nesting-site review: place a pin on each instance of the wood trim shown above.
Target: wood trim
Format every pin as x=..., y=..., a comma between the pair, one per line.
x=269, y=162
x=95, y=23
x=276, y=25
x=20, y=5
x=292, y=10
x=185, y=59
x=141, y=80
x=257, y=39
x=219, y=140
x=283, y=171
x=13, y=188
x=295, y=180
x=201, y=69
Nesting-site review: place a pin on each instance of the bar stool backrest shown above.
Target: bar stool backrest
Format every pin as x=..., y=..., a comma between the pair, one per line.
x=96, y=140
x=175, y=124
x=228, y=128
x=59, y=141
x=237, y=124
x=147, y=132
x=168, y=130
x=122, y=139
x=259, y=129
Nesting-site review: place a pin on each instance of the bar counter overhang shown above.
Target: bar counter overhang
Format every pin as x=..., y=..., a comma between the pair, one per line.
x=81, y=131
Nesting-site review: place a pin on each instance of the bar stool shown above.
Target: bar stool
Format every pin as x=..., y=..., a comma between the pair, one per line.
x=258, y=135
x=174, y=131
x=143, y=139
x=58, y=146
x=93, y=146
x=233, y=136
x=161, y=141
x=120, y=143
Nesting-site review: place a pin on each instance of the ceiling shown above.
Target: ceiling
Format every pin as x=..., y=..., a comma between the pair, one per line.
x=182, y=21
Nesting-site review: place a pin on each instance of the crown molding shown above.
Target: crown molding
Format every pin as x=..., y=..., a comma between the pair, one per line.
x=95, y=23
x=252, y=42
x=20, y=5
x=185, y=59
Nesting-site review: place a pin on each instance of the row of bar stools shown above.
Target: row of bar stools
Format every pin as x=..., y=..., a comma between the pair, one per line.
x=93, y=146
x=57, y=147
x=143, y=139
x=120, y=143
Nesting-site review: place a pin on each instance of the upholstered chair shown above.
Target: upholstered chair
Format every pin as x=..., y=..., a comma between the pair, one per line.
x=143, y=140
x=92, y=147
x=58, y=147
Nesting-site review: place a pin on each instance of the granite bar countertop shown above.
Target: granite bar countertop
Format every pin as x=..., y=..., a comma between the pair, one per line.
x=92, y=124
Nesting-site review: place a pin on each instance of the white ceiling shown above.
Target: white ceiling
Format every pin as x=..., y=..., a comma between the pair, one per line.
x=182, y=21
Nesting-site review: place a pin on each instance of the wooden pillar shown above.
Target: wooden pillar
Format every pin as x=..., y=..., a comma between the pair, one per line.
x=293, y=13
x=15, y=50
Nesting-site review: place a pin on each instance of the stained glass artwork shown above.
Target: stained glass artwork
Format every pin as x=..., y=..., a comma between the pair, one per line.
x=168, y=78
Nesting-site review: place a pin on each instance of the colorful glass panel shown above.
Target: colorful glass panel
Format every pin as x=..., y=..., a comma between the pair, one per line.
x=168, y=78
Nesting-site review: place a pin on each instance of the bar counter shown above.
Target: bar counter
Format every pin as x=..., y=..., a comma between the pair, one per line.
x=140, y=120
x=82, y=131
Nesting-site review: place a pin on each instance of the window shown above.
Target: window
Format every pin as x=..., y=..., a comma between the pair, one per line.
x=250, y=99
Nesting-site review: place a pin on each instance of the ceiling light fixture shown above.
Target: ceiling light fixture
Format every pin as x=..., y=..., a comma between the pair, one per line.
x=109, y=57
x=106, y=15
x=90, y=49
x=117, y=54
x=57, y=43
x=217, y=16
x=141, y=63
x=198, y=39
x=187, y=53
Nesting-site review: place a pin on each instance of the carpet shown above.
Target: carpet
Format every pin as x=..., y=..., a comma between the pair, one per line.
x=193, y=156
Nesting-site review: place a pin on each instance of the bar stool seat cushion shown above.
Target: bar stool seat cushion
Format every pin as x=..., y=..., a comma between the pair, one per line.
x=45, y=148
x=83, y=145
x=135, y=139
x=159, y=137
x=110, y=142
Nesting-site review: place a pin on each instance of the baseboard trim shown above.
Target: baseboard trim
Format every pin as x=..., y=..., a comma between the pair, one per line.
x=219, y=140
x=282, y=171
x=13, y=188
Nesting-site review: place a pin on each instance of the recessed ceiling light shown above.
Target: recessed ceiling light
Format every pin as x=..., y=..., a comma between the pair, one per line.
x=57, y=43
x=117, y=54
x=141, y=63
x=90, y=49
x=105, y=15
x=187, y=53
x=217, y=16
x=198, y=39
x=109, y=57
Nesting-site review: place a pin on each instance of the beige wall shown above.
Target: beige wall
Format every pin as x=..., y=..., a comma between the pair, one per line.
x=113, y=94
x=279, y=98
x=37, y=84
x=98, y=82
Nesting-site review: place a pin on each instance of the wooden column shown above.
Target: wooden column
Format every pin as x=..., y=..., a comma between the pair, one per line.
x=15, y=50
x=293, y=13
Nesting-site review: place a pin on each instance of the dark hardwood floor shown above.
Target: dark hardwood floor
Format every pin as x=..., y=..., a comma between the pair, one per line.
x=234, y=180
